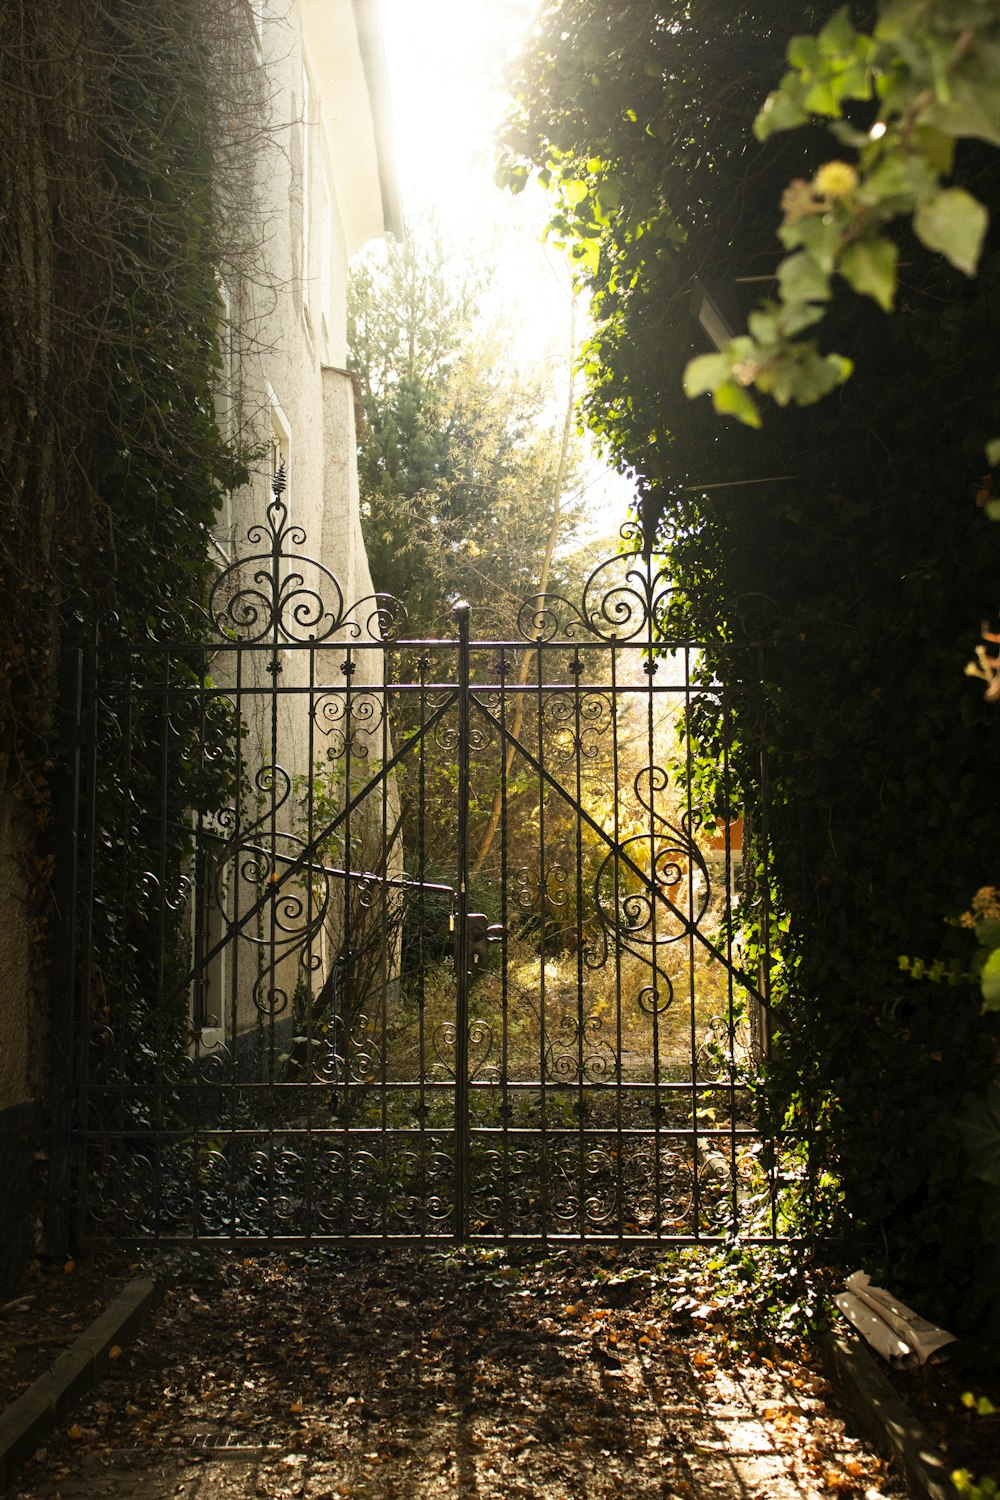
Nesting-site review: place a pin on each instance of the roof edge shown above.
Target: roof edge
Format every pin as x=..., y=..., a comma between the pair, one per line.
x=371, y=41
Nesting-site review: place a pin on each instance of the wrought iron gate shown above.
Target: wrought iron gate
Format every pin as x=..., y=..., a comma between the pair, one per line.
x=384, y=939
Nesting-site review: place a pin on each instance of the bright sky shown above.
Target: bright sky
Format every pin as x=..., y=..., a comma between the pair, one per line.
x=447, y=60
x=446, y=67
x=446, y=63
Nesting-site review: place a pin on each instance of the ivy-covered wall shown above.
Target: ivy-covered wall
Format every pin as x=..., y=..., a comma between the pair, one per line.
x=863, y=563
x=113, y=465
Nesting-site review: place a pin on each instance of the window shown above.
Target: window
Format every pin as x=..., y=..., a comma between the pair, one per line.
x=225, y=416
x=257, y=15
x=325, y=238
x=305, y=266
x=280, y=440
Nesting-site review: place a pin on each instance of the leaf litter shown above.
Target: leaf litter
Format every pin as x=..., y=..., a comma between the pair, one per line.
x=486, y=1373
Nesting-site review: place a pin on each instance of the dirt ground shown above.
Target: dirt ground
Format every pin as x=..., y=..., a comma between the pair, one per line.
x=437, y=1375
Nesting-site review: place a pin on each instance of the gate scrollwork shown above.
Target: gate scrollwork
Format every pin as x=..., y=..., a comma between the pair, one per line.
x=282, y=595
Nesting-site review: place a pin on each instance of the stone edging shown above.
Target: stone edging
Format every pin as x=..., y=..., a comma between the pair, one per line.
x=26, y=1424
x=886, y=1418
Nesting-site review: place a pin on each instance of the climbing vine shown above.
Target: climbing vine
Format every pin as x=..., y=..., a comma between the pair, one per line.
x=847, y=538
x=927, y=75
x=126, y=189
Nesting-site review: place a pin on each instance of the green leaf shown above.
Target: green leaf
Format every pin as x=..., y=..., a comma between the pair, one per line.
x=821, y=99
x=979, y=1130
x=817, y=233
x=802, y=280
x=804, y=53
x=897, y=17
x=799, y=317
x=869, y=267
x=993, y=452
x=781, y=110
x=732, y=400
x=837, y=37
x=805, y=376
x=574, y=192
x=706, y=373
x=973, y=105
x=848, y=135
x=990, y=981
x=936, y=148
x=898, y=182
x=988, y=932
x=953, y=223
x=763, y=325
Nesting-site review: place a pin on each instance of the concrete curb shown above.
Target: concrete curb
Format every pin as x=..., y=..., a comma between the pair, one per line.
x=886, y=1418
x=26, y=1424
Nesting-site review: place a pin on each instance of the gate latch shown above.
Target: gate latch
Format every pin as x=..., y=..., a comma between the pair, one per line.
x=480, y=933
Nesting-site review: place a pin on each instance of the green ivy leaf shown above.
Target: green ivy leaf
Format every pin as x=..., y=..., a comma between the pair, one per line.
x=953, y=223
x=988, y=932
x=763, y=325
x=979, y=1130
x=837, y=37
x=990, y=981
x=802, y=280
x=973, y=107
x=818, y=233
x=797, y=318
x=869, y=267
x=821, y=99
x=733, y=400
x=706, y=373
x=936, y=148
x=781, y=110
x=803, y=53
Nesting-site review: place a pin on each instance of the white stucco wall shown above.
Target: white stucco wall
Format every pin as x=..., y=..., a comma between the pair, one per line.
x=320, y=198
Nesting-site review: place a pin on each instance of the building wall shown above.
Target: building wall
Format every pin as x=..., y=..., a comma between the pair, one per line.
x=319, y=197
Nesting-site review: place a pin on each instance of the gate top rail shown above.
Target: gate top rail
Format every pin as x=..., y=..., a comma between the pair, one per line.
x=277, y=595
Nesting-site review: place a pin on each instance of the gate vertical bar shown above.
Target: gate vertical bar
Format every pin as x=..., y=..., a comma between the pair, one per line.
x=461, y=613
x=62, y=1017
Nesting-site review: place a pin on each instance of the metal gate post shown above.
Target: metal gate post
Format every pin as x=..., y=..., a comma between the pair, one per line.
x=461, y=613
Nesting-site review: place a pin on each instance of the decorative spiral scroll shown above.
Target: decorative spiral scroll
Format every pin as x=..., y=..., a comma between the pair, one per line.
x=280, y=594
x=480, y=1045
x=350, y=720
x=650, y=890
x=755, y=617
x=625, y=598
x=480, y=737
x=580, y=1053
x=292, y=908
x=575, y=723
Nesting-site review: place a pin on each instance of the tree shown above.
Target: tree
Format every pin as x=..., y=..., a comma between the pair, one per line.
x=459, y=464
x=850, y=559
x=466, y=479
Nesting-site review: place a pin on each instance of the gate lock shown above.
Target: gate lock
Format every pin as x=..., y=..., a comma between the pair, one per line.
x=480, y=933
